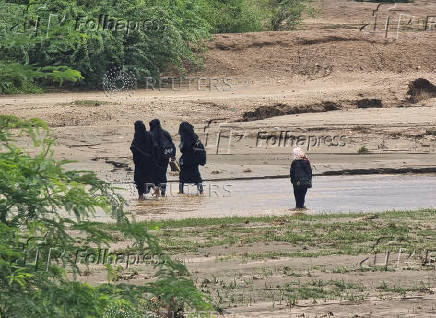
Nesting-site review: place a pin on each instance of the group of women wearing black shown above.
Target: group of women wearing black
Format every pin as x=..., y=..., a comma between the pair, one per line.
x=154, y=150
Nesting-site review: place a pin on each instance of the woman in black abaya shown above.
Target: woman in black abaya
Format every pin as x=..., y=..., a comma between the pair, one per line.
x=189, y=172
x=163, y=150
x=142, y=157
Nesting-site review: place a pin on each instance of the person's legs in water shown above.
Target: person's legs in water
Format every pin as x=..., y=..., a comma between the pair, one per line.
x=303, y=197
x=155, y=190
x=200, y=188
x=163, y=177
x=141, y=191
x=299, y=194
x=163, y=189
x=148, y=187
x=139, y=182
x=141, y=196
x=297, y=197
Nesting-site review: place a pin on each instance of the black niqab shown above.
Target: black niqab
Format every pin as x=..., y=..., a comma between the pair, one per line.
x=156, y=131
x=161, y=141
x=187, y=135
x=142, y=149
x=189, y=172
x=141, y=138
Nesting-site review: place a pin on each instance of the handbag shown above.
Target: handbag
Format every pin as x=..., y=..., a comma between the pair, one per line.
x=174, y=165
x=305, y=182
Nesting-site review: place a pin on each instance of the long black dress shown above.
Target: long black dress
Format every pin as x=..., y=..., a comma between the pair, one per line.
x=189, y=172
x=142, y=157
x=159, y=136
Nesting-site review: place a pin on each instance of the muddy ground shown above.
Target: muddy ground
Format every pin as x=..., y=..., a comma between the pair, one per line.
x=334, y=87
x=361, y=265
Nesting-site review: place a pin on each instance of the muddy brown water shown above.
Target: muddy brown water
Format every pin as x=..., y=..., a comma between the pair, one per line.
x=330, y=194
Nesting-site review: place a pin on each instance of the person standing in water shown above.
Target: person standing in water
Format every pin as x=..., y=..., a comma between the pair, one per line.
x=193, y=155
x=141, y=148
x=163, y=150
x=301, y=176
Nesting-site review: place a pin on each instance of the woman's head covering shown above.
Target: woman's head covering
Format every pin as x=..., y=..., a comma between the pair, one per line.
x=140, y=131
x=155, y=131
x=155, y=124
x=186, y=129
x=299, y=153
x=141, y=139
x=187, y=134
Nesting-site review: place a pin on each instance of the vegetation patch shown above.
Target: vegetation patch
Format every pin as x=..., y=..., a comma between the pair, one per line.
x=369, y=103
x=47, y=211
x=264, y=112
x=88, y=40
x=86, y=103
x=349, y=234
x=264, y=251
x=421, y=89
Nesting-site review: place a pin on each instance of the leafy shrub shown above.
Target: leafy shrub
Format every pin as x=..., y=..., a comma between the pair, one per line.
x=46, y=208
x=162, y=33
x=121, y=309
x=287, y=14
x=234, y=16
x=362, y=150
x=144, y=37
x=238, y=16
x=16, y=78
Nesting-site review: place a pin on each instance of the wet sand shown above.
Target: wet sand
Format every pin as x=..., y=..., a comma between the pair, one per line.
x=330, y=194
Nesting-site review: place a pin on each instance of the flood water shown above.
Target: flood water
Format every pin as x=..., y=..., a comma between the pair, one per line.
x=330, y=194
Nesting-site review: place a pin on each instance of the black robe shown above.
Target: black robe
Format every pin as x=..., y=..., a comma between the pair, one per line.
x=189, y=172
x=300, y=169
x=159, y=175
x=141, y=148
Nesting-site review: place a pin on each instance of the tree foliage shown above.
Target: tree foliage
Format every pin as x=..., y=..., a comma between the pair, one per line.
x=78, y=41
x=45, y=208
x=287, y=14
x=139, y=35
x=234, y=16
x=250, y=16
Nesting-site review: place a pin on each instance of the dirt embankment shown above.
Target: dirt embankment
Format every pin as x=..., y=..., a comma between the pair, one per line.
x=318, y=54
x=343, y=37
x=281, y=109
